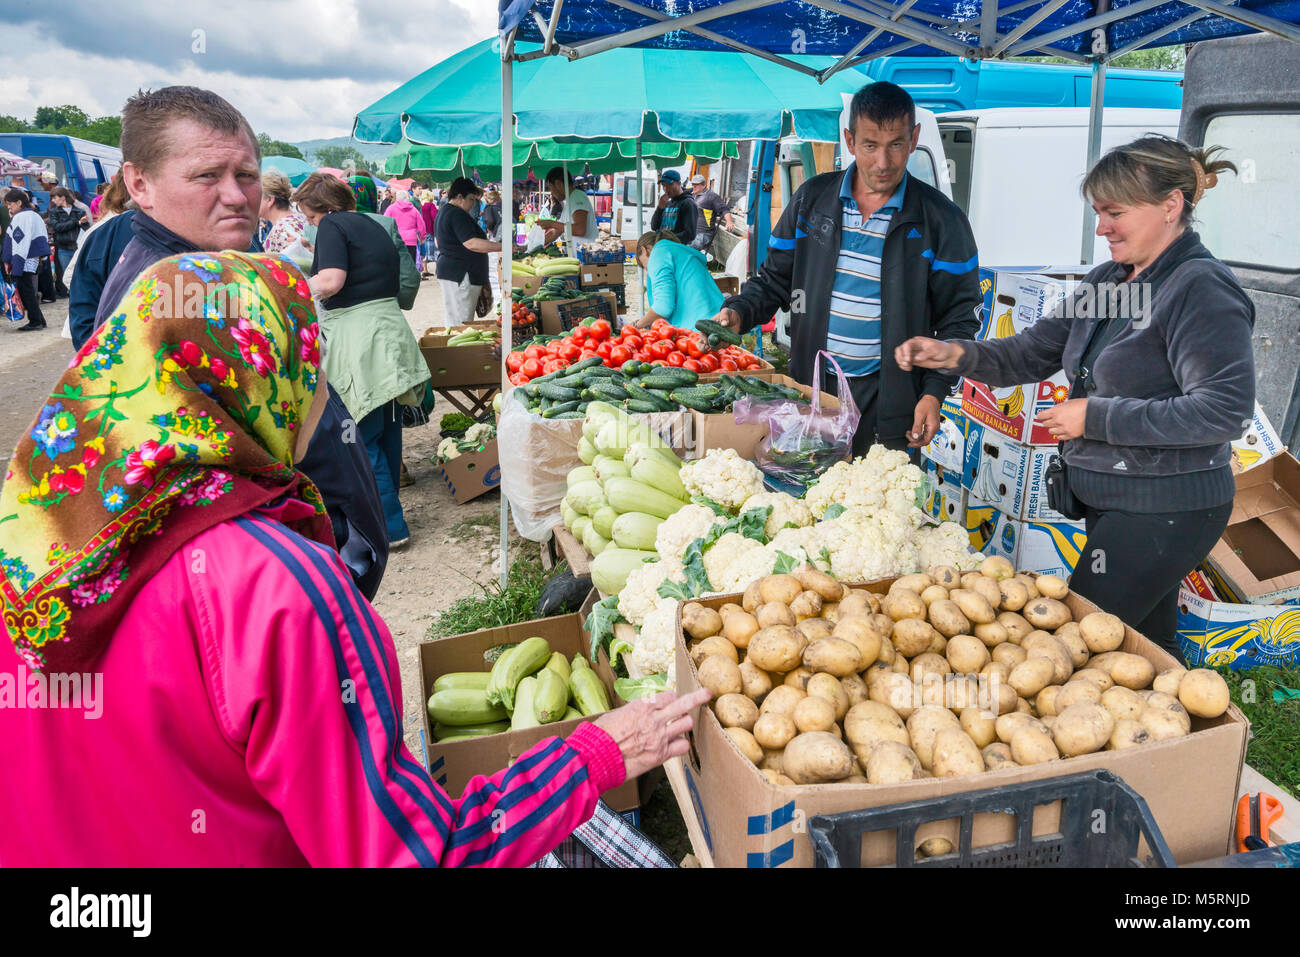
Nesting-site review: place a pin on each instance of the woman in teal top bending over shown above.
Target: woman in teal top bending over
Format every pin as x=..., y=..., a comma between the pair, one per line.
x=678, y=286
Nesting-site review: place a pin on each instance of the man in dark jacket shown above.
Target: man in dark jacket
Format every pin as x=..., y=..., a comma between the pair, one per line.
x=198, y=187
x=676, y=213
x=864, y=260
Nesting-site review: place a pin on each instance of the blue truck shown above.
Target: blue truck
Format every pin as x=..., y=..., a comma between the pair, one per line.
x=80, y=165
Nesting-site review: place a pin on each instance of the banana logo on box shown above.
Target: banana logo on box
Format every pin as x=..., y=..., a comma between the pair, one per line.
x=1276, y=641
x=1068, y=542
x=1005, y=328
x=1013, y=404
x=1244, y=459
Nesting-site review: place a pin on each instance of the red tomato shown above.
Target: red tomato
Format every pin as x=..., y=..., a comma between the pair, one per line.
x=633, y=342
x=619, y=354
x=570, y=352
x=753, y=362
x=658, y=362
x=642, y=356
x=554, y=365
x=709, y=362
x=514, y=361
x=729, y=365
x=599, y=330
x=693, y=365
x=588, y=353
x=694, y=349
x=676, y=359
x=553, y=348
x=535, y=351
x=682, y=343
x=603, y=350
x=531, y=367
x=660, y=350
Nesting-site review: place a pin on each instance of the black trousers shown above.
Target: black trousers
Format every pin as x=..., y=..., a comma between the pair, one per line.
x=865, y=391
x=26, y=286
x=45, y=279
x=1132, y=564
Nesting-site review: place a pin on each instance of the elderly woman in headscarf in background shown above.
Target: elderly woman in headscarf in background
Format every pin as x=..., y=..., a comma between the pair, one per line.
x=158, y=542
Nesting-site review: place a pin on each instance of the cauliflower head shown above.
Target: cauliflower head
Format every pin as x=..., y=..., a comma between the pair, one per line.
x=865, y=545
x=755, y=564
x=947, y=544
x=641, y=593
x=447, y=449
x=725, y=551
x=723, y=476
x=683, y=527
x=883, y=479
x=654, y=651
x=480, y=432
x=786, y=510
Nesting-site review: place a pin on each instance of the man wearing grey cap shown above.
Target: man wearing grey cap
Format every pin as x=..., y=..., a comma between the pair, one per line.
x=712, y=209
x=676, y=212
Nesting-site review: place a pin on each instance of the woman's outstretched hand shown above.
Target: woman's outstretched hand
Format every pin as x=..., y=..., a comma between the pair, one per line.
x=651, y=730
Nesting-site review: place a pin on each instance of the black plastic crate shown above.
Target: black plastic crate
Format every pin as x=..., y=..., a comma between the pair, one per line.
x=1126, y=819
x=619, y=291
x=574, y=311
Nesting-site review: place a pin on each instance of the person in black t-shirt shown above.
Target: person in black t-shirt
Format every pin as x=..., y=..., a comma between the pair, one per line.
x=676, y=213
x=462, y=252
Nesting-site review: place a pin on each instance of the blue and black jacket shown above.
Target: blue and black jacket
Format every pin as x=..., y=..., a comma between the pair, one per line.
x=929, y=287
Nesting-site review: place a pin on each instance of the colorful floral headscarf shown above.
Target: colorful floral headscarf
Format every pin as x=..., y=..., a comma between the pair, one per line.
x=363, y=188
x=179, y=413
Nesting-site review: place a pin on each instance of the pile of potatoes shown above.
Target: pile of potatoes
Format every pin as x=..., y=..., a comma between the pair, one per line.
x=948, y=674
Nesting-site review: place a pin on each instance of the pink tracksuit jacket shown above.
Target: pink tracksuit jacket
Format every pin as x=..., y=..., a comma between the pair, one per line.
x=409, y=222
x=250, y=714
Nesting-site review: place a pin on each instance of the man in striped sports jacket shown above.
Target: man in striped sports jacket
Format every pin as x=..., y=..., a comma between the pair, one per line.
x=865, y=259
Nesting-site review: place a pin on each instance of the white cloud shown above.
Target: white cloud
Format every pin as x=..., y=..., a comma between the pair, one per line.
x=298, y=69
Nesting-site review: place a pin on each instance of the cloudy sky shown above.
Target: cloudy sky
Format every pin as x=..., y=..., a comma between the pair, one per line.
x=298, y=69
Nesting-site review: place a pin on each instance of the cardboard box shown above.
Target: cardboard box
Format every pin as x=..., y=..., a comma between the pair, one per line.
x=605, y=274
x=1189, y=783
x=473, y=474
x=1214, y=633
x=1008, y=474
x=549, y=311
x=945, y=498
x=1259, y=444
x=727, y=285
x=948, y=447
x=1052, y=548
x=722, y=431
x=1257, y=561
x=458, y=366
x=454, y=763
x=1015, y=299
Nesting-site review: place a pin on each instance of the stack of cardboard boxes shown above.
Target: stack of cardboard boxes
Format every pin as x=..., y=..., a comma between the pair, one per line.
x=986, y=465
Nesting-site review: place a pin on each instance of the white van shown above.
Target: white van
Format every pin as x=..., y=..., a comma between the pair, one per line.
x=1016, y=173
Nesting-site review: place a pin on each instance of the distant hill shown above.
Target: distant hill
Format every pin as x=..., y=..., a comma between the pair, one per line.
x=372, y=152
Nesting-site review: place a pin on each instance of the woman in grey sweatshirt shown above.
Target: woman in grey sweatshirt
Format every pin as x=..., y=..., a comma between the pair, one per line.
x=1157, y=343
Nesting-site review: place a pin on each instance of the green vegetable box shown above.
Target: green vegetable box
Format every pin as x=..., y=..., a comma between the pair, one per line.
x=456, y=694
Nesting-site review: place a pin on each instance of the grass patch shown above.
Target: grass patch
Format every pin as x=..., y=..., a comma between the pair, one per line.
x=1274, y=749
x=497, y=606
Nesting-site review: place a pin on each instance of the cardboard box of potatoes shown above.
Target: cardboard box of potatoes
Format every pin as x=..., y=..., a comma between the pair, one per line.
x=831, y=698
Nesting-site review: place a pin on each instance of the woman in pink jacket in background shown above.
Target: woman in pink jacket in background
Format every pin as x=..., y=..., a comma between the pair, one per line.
x=409, y=221
x=191, y=678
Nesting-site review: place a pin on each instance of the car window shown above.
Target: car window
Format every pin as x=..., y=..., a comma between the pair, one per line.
x=921, y=165
x=1249, y=218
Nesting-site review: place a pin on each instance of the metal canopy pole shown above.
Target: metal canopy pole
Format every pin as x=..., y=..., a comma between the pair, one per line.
x=988, y=23
x=507, y=258
x=1096, y=105
x=640, y=218
x=615, y=40
x=1084, y=26
x=1260, y=21
x=905, y=28
x=862, y=44
x=1027, y=24
x=568, y=212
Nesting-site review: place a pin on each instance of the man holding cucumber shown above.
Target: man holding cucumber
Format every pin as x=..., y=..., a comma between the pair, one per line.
x=865, y=259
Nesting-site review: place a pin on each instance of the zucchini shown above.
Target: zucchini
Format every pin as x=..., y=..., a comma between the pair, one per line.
x=523, y=716
x=636, y=530
x=550, y=697
x=447, y=732
x=588, y=692
x=629, y=495
x=464, y=706
x=609, y=569
x=462, y=679
x=559, y=664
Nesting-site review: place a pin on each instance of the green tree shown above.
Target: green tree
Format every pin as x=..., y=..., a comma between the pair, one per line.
x=1153, y=58
x=105, y=129
x=11, y=124
x=60, y=117
x=272, y=147
x=340, y=157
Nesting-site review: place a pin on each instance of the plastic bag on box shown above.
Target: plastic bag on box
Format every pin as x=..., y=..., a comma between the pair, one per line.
x=803, y=440
x=536, y=239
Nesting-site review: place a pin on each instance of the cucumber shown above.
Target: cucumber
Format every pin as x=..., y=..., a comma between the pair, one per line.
x=708, y=327
x=669, y=378
x=583, y=365
x=559, y=408
x=698, y=399
x=608, y=390
x=643, y=406
x=576, y=414
x=558, y=393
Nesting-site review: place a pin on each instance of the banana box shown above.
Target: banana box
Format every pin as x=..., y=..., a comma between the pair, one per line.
x=948, y=447
x=1259, y=443
x=1214, y=633
x=944, y=498
x=1051, y=548
x=1008, y=474
x=1014, y=299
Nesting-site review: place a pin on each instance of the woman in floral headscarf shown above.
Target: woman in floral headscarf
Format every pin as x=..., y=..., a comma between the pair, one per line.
x=191, y=677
